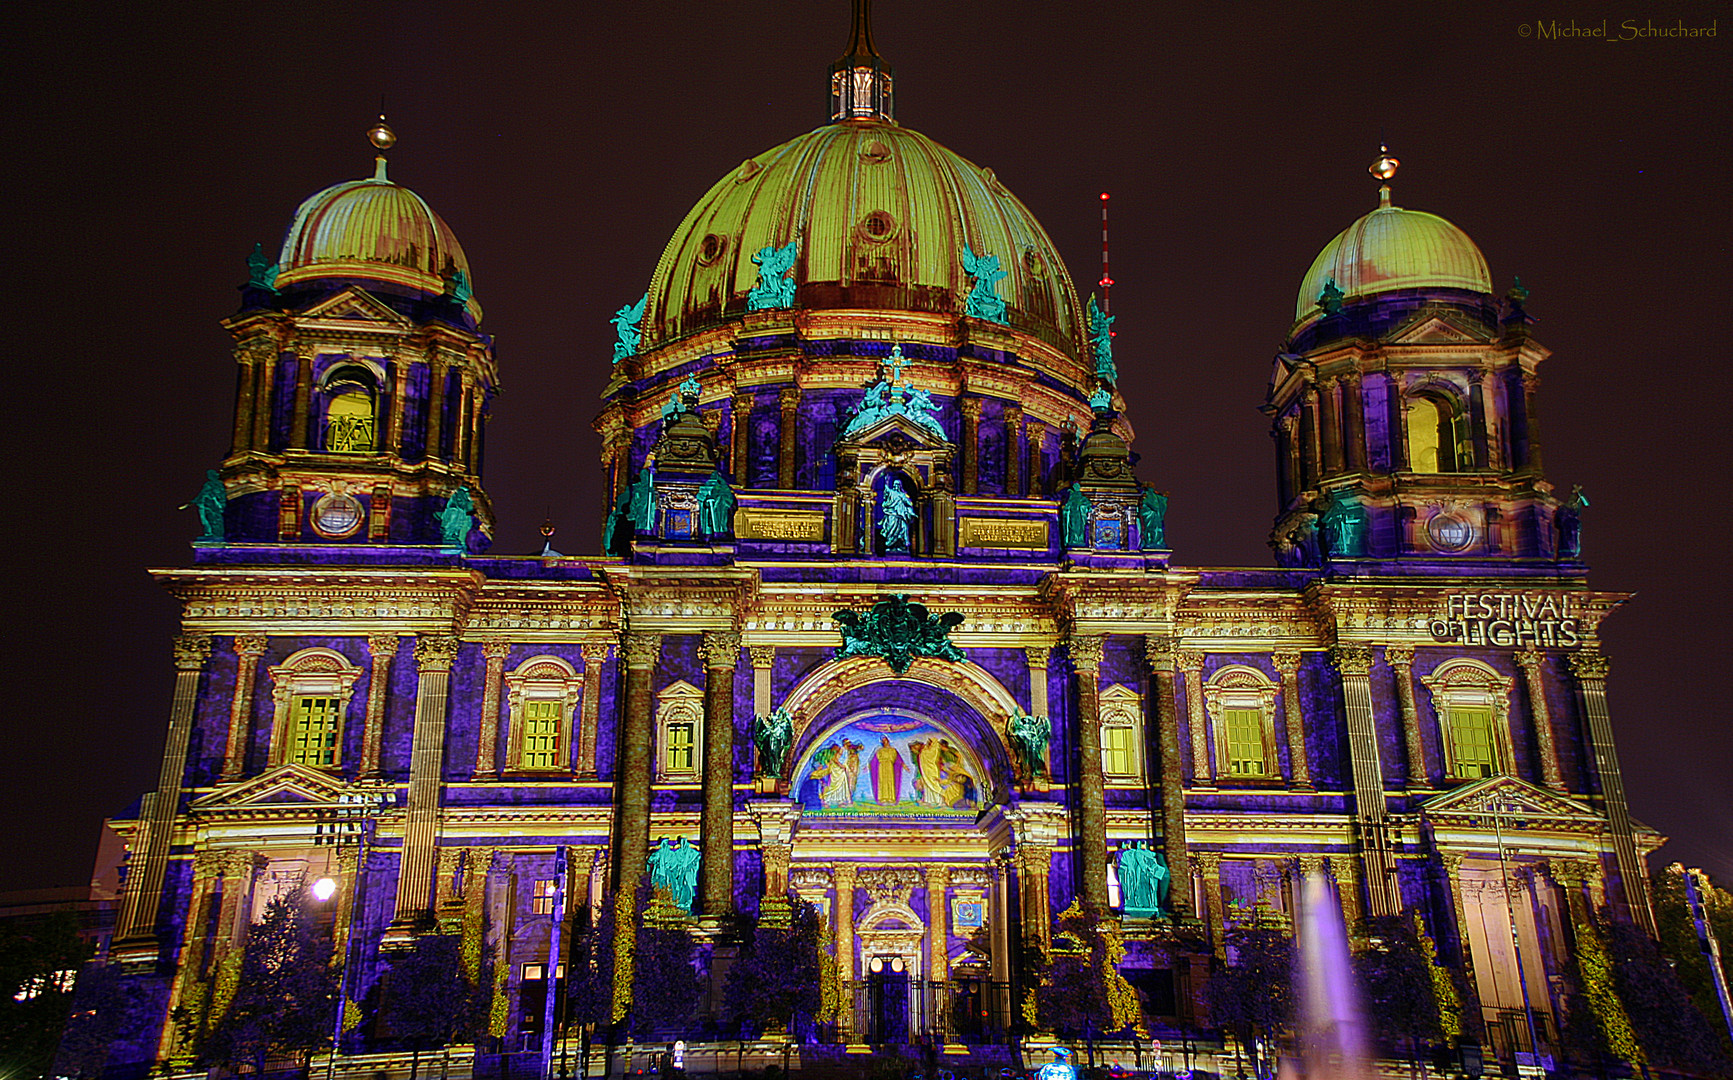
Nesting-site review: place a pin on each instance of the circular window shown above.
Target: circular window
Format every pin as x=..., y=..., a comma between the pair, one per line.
x=876, y=153
x=877, y=227
x=337, y=515
x=1033, y=263
x=711, y=248
x=1450, y=532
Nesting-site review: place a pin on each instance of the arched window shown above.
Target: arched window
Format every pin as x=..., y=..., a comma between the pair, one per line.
x=679, y=720
x=1472, y=703
x=1242, y=702
x=1438, y=440
x=351, y=410
x=1121, y=737
x=541, y=695
x=311, y=691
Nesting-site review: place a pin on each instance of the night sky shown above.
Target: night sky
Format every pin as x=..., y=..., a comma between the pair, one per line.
x=151, y=146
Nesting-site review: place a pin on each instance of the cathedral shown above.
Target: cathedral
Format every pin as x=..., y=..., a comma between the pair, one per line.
x=884, y=619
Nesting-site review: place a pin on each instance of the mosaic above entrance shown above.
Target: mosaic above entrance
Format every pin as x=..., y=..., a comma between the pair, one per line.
x=890, y=765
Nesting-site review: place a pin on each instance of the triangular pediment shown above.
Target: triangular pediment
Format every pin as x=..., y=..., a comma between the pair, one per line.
x=895, y=432
x=1506, y=795
x=355, y=304
x=1438, y=328
x=285, y=785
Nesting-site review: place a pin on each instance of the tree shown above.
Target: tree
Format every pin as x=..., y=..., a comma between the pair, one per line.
x=1254, y=992
x=39, y=962
x=589, y=999
x=287, y=991
x=1396, y=984
x=778, y=977
x=1668, y=1027
x=665, y=987
x=428, y=1003
x=1677, y=934
x=1084, y=995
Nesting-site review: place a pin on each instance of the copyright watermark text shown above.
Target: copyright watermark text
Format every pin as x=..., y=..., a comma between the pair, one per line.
x=1606, y=30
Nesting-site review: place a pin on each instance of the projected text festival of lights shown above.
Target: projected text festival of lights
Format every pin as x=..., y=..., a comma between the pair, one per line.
x=1501, y=619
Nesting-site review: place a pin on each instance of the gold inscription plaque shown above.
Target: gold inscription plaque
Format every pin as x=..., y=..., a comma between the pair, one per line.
x=1004, y=533
x=756, y=524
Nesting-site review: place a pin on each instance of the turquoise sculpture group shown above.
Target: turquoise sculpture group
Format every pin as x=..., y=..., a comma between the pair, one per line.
x=775, y=288
x=898, y=631
x=984, y=301
x=1152, y=520
x=896, y=512
x=1143, y=881
x=456, y=518
x=773, y=735
x=626, y=326
x=1029, y=737
x=1074, y=511
x=892, y=395
x=261, y=271
x=716, y=504
x=1342, y=527
x=210, y=504
x=1101, y=342
x=674, y=869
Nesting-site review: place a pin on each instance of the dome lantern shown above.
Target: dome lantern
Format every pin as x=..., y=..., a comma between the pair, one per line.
x=860, y=82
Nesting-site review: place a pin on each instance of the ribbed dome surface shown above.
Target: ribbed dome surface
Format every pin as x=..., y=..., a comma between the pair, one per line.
x=371, y=229
x=881, y=215
x=1389, y=249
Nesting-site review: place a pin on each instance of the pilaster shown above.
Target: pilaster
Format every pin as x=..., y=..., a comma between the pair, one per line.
x=249, y=649
x=1533, y=664
x=1013, y=418
x=494, y=652
x=1287, y=665
x=721, y=651
x=1208, y=865
x=970, y=407
x=434, y=656
x=1190, y=661
x=1590, y=669
x=1085, y=653
x=1355, y=665
x=789, y=402
x=1164, y=715
x=589, y=708
x=1401, y=661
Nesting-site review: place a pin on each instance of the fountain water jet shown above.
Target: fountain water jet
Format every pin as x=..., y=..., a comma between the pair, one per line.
x=1332, y=1034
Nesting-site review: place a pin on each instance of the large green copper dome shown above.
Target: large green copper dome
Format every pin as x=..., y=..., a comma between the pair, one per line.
x=880, y=216
x=1391, y=249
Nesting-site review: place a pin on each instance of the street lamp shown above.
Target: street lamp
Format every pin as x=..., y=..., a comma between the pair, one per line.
x=350, y=820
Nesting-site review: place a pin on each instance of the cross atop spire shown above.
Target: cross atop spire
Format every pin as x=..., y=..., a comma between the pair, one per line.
x=860, y=82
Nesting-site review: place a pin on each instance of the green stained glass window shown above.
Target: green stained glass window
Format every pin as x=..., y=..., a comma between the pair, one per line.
x=682, y=739
x=1118, y=751
x=541, y=735
x=313, y=731
x=1471, y=743
x=1244, y=731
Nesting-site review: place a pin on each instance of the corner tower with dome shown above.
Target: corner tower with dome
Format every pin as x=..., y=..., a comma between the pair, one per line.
x=883, y=620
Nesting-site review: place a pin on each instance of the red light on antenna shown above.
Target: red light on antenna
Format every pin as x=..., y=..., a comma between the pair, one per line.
x=1104, y=196
x=1106, y=282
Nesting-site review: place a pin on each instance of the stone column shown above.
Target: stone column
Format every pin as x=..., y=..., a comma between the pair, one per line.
x=436, y=373
x=970, y=407
x=1013, y=417
x=1036, y=434
x=1531, y=419
x=634, y=767
x=263, y=391
x=763, y=659
x=1034, y=869
x=1091, y=785
x=135, y=940
x=789, y=401
x=1355, y=664
x=475, y=871
x=185, y=991
x=1190, y=661
x=1487, y=379
x=1331, y=425
x=590, y=708
x=246, y=378
x=1401, y=661
x=434, y=656
x=842, y=875
x=302, y=403
x=938, y=923
x=486, y=754
x=393, y=441
x=1311, y=453
x=1037, y=656
x=1291, y=447
x=1208, y=865
x=348, y=878
x=721, y=651
x=248, y=649
x=1165, y=716
x=1451, y=866
x=1347, y=889
x=1533, y=664
x=381, y=648
x=1590, y=669
x=1294, y=718
x=1353, y=423
x=739, y=437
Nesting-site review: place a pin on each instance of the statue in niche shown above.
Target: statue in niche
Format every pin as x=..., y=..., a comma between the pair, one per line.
x=1143, y=881
x=1570, y=524
x=896, y=511
x=626, y=322
x=1074, y=512
x=1029, y=738
x=641, y=509
x=1330, y=299
x=674, y=867
x=773, y=734
x=1101, y=343
x=716, y=507
x=455, y=519
x=984, y=301
x=775, y=288
x=1152, y=520
x=1342, y=527
x=261, y=271
x=209, y=504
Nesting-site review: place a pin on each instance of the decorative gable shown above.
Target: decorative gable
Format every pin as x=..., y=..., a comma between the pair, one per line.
x=356, y=304
x=285, y=785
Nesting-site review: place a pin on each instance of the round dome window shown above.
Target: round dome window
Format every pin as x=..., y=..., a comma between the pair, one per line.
x=877, y=227
x=711, y=249
x=1450, y=532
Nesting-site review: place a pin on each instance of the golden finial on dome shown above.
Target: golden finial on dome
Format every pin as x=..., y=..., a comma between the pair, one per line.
x=383, y=139
x=1384, y=168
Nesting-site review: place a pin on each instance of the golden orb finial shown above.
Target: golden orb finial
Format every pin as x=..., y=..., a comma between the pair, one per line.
x=1383, y=169
x=381, y=135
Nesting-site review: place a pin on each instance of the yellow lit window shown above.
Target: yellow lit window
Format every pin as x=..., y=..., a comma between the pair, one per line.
x=349, y=424
x=1471, y=744
x=681, y=740
x=313, y=731
x=542, y=903
x=1118, y=751
x=1423, y=431
x=541, y=735
x=1244, y=731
